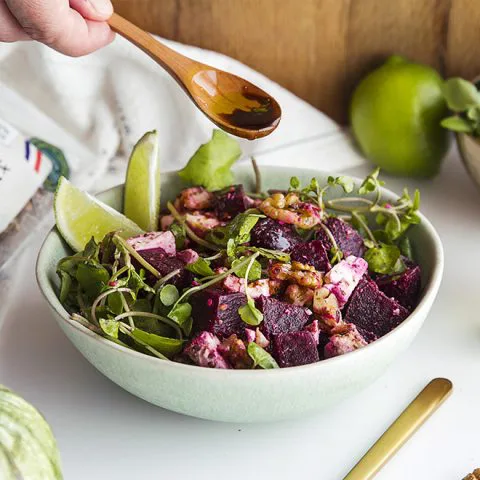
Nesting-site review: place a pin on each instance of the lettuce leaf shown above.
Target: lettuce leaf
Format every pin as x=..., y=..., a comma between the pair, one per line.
x=211, y=163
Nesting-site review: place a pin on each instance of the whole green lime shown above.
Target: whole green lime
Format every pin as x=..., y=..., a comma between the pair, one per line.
x=395, y=114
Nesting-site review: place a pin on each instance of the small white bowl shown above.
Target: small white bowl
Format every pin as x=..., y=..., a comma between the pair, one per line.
x=469, y=148
x=244, y=395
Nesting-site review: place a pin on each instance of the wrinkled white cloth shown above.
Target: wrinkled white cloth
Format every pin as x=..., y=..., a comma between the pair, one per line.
x=95, y=108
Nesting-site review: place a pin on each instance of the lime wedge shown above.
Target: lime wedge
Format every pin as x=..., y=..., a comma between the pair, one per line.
x=142, y=185
x=80, y=217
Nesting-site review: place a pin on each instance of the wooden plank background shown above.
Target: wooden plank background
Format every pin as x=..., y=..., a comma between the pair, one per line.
x=319, y=49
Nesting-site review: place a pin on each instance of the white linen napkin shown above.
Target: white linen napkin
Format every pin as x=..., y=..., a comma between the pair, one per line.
x=95, y=108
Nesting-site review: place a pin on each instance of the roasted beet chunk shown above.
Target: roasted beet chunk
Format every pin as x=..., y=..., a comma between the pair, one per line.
x=280, y=317
x=405, y=288
x=296, y=348
x=231, y=201
x=371, y=310
x=312, y=253
x=348, y=239
x=157, y=258
x=268, y=233
x=154, y=256
x=217, y=312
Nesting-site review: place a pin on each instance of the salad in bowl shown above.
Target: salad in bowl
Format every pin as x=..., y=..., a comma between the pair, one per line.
x=225, y=276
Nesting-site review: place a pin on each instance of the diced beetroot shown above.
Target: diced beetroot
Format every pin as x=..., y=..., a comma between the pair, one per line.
x=312, y=253
x=348, y=239
x=368, y=336
x=340, y=344
x=295, y=348
x=280, y=317
x=314, y=329
x=371, y=310
x=231, y=201
x=203, y=350
x=217, y=312
x=405, y=288
x=164, y=265
x=154, y=240
x=268, y=233
x=323, y=340
x=188, y=256
x=154, y=256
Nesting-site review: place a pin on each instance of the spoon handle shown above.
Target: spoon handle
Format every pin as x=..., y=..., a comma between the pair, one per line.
x=176, y=64
x=419, y=410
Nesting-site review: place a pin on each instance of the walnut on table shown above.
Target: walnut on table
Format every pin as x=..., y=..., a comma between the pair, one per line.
x=475, y=475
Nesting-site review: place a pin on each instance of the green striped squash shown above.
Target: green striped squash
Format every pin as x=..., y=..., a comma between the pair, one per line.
x=28, y=448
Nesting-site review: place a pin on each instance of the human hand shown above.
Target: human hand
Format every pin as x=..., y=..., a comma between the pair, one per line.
x=74, y=27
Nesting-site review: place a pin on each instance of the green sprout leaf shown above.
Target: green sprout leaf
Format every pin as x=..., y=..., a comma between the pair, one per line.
x=91, y=250
x=457, y=124
x=201, y=268
x=92, y=278
x=241, y=226
x=231, y=248
x=371, y=183
x=169, y=295
x=260, y=357
x=115, y=303
x=294, y=183
x=211, y=163
x=406, y=248
x=180, y=234
x=267, y=253
x=250, y=314
x=460, y=94
x=383, y=259
x=109, y=327
x=255, y=272
x=180, y=313
x=136, y=282
x=166, y=346
x=65, y=286
x=345, y=182
x=237, y=230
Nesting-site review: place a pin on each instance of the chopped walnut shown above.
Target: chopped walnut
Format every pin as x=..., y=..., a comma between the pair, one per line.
x=475, y=475
x=326, y=308
x=297, y=295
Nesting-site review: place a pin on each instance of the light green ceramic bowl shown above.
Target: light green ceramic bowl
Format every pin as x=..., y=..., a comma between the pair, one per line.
x=243, y=395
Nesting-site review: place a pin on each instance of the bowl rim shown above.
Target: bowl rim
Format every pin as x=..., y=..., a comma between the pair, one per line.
x=430, y=291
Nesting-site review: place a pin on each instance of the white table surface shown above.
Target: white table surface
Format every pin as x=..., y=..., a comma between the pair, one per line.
x=105, y=433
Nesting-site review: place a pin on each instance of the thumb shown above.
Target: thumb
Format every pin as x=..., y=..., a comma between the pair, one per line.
x=55, y=24
x=100, y=10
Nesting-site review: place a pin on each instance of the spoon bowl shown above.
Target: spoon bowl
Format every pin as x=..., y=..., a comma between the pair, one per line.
x=232, y=103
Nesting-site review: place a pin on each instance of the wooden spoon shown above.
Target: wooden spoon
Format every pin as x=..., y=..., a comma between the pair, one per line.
x=232, y=103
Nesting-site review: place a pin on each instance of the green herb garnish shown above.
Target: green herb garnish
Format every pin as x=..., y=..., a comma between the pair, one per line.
x=261, y=358
x=249, y=313
x=463, y=98
x=211, y=163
